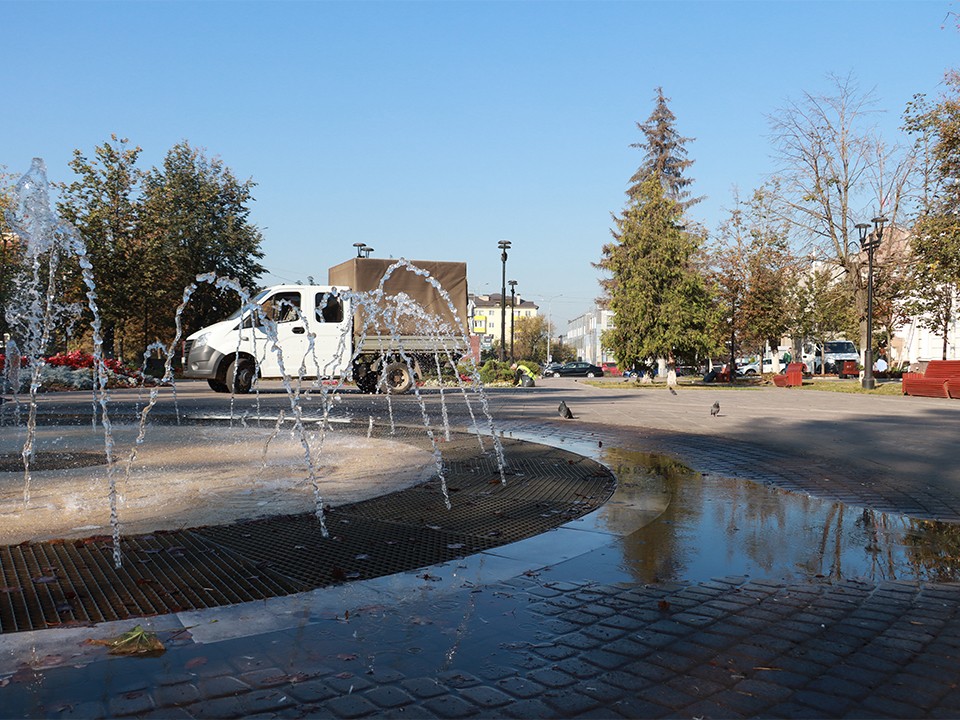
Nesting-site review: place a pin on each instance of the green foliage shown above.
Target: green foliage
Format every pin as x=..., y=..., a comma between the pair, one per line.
x=665, y=155
x=661, y=302
x=494, y=371
x=753, y=273
x=530, y=337
x=936, y=234
x=199, y=212
x=11, y=251
x=103, y=205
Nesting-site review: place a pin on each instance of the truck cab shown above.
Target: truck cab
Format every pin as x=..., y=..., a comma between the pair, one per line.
x=830, y=356
x=286, y=330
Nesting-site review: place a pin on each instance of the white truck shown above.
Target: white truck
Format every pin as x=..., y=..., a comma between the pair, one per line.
x=829, y=357
x=332, y=331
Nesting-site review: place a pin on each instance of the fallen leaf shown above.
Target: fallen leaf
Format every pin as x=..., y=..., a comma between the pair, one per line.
x=133, y=642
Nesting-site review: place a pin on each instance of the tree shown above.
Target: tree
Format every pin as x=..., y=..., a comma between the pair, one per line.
x=198, y=213
x=821, y=306
x=665, y=155
x=754, y=270
x=836, y=172
x=103, y=205
x=660, y=299
x=936, y=233
x=655, y=287
x=530, y=338
x=11, y=252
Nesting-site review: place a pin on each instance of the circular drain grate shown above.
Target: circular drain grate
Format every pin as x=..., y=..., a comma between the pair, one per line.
x=57, y=583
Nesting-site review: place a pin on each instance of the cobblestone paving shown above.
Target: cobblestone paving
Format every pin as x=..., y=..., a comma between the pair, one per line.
x=534, y=648
x=557, y=643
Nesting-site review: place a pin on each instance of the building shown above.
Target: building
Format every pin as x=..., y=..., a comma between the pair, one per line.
x=485, y=314
x=585, y=333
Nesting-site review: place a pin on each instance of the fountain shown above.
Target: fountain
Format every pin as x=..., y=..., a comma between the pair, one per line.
x=238, y=505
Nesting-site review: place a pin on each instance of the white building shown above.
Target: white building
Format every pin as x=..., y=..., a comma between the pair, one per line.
x=584, y=334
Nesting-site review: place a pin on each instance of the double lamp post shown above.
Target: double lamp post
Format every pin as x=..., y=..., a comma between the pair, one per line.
x=504, y=245
x=870, y=243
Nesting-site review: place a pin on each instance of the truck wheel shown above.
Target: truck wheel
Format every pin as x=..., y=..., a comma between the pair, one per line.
x=241, y=375
x=217, y=386
x=397, y=379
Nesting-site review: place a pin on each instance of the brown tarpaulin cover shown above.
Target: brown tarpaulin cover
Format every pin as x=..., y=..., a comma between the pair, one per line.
x=363, y=274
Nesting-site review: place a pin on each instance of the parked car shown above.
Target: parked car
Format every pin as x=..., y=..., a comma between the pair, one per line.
x=610, y=368
x=549, y=368
x=753, y=368
x=578, y=369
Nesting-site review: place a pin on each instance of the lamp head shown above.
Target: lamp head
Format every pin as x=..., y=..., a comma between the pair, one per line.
x=878, y=223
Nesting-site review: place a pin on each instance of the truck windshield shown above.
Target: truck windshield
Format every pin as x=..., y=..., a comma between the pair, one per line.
x=255, y=300
x=841, y=346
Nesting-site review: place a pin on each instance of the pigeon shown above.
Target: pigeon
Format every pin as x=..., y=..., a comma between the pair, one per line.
x=715, y=410
x=564, y=411
x=672, y=391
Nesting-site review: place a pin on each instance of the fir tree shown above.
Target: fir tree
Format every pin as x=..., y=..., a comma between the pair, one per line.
x=665, y=155
x=662, y=306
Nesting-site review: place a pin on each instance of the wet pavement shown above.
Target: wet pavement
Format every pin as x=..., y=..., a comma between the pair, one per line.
x=807, y=571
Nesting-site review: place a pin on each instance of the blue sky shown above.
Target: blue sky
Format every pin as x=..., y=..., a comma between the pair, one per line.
x=433, y=130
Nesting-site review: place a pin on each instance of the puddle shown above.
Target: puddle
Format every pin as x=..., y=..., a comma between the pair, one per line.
x=693, y=528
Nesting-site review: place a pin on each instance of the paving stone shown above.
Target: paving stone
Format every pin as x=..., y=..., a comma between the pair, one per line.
x=602, y=691
x=131, y=703
x=220, y=686
x=524, y=709
x=353, y=705
x=424, y=687
x=223, y=707
x=831, y=705
x=449, y=706
x=765, y=689
x=388, y=696
x=485, y=696
x=605, y=660
x=634, y=707
x=311, y=691
x=663, y=695
x=261, y=701
x=520, y=687
x=552, y=678
x=578, y=668
x=742, y=703
x=183, y=693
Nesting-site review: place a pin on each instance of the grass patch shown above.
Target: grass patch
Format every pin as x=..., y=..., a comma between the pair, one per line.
x=852, y=386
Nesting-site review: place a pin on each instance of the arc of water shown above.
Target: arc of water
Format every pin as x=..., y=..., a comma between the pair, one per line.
x=410, y=267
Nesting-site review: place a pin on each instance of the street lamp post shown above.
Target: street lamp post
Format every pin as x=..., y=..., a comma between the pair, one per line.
x=513, y=296
x=870, y=243
x=504, y=245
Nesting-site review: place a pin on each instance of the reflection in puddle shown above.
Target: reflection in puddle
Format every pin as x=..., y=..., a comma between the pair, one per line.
x=695, y=527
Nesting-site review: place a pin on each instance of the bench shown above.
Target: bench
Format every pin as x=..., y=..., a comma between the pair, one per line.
x=793, y=377
x=934, y=382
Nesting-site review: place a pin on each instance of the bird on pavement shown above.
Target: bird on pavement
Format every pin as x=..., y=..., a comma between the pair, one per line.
x=715, y=410
x=564, y=411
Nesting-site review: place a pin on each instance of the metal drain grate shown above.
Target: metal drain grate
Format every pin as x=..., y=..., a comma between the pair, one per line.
x=62, y=583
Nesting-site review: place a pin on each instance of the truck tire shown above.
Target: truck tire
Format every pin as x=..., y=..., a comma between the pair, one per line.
x=217, y=386
x=397, y=379
x=241, y=374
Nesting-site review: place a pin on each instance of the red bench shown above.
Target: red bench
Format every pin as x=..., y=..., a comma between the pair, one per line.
x=791, y=378
x=935, y=381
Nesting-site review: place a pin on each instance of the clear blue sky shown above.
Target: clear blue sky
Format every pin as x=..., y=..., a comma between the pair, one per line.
x=433, y=130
